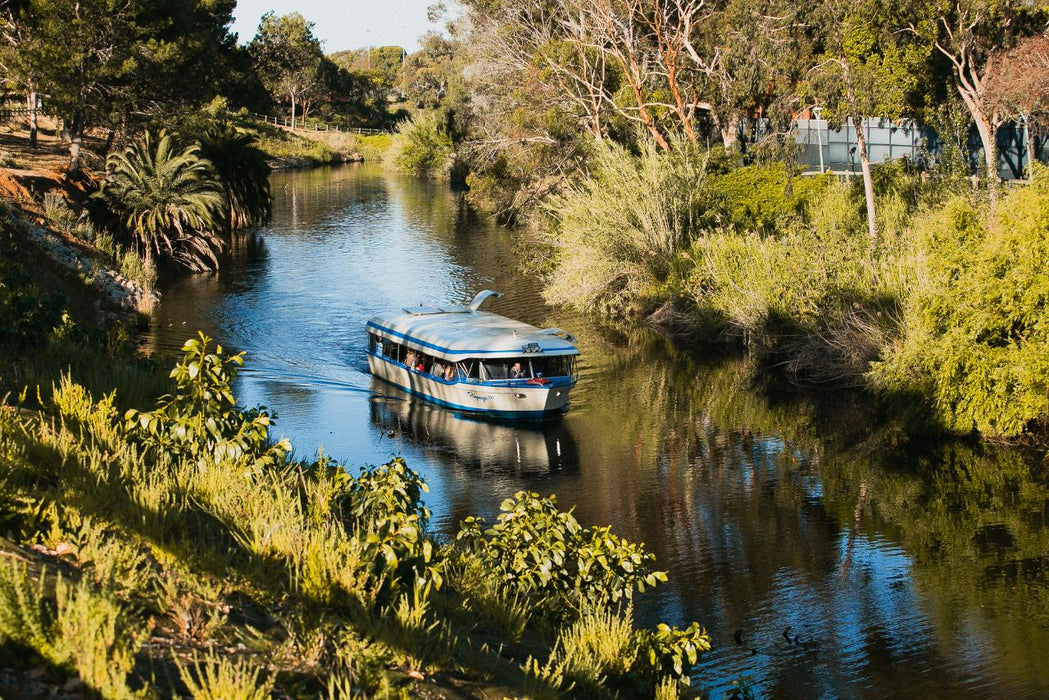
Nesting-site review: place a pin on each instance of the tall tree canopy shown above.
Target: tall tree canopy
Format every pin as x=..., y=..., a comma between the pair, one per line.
x=288, y=58
x=970, y=33
x=105, y=61
x=869, y=67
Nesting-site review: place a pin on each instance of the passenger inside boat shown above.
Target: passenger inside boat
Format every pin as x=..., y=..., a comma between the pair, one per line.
x=532, y=368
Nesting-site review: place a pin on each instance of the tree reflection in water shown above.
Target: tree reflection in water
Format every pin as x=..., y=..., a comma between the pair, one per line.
x=849, y=561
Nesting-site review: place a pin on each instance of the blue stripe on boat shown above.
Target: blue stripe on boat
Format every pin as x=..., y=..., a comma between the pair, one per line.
x=494, y=413
x=449, y=351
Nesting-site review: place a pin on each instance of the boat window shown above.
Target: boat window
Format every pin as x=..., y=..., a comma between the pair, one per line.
x=494, y=370
x=557, y=366
x=391, y=350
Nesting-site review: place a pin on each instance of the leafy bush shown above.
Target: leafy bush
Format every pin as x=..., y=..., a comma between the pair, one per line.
x=762, y=199
x=168, y=199
x=620, y=232
x=976, y=338
x=201, y=417
x=668, y=651
x=423, y=145
x=546, y=556
x=242, y=171
x=386, y=505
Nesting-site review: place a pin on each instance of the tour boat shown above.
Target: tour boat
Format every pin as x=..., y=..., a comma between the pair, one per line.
x=474, y=361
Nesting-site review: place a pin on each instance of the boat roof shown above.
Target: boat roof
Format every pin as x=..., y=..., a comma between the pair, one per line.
x=458, y=332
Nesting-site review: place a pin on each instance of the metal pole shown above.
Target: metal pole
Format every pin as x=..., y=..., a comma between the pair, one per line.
x=819, y=134
x=1027, y=147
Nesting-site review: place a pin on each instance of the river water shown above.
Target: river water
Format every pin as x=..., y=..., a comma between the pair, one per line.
x=825, y=559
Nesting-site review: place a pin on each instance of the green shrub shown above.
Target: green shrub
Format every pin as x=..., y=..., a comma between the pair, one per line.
x=620, y=232
x=386, y=506
x=976, y=338
x=78, y=627
x=218, y=677
x=373, y=147
x=820, y=302
x=423, y=145
x=28, y=314
x=763, y=199
x=669, y=651
x=202, y=418
x=546, y=556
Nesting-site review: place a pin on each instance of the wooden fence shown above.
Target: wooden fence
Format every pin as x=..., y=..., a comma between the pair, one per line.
x=9, y=113
x=307, y=125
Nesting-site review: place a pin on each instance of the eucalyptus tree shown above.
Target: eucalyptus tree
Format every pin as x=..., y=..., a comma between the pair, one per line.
x=869, y=66
x=1018, y=85
x=970, y=34
x=287, y=57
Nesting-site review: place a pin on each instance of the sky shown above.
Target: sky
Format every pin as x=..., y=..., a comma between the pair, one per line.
x=344, y=24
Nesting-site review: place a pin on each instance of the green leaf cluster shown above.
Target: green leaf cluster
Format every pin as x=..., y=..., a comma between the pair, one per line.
x=976, y=339
x=669, y=651
x=546, y=556
x=201, y=418
x=386, y=506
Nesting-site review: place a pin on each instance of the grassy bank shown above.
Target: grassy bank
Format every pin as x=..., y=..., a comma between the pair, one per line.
x=942, y=313
x=171, y=547
x=288, y=149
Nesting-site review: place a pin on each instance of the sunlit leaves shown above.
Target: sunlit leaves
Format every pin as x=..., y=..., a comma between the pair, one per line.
x=168, y=199
x=546, y=555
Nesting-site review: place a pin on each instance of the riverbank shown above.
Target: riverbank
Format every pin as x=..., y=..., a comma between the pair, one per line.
x=935, y=317
x=288, y=150
x=191, y=554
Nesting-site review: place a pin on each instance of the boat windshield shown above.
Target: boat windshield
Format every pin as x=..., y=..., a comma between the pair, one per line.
x=528, y=368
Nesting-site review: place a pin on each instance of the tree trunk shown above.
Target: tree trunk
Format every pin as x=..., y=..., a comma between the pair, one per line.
x=868, y=181
x=990, y=151
x=292, y=111
x=31, y=103
x=1029, y=145
x=76, y=137
x=730, y=132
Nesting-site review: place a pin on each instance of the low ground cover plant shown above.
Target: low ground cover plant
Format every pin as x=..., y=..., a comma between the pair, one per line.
x=188, y=524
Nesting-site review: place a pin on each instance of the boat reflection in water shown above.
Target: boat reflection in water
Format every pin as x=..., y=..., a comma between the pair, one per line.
x=456, y=439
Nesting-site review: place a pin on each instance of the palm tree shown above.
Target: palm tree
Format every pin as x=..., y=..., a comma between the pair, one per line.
x=243, y=171
x=169, y=200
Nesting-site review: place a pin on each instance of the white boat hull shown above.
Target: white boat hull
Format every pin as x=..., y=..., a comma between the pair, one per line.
x=499, y=400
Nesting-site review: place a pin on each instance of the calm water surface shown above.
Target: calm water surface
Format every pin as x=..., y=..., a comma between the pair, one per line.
x=848, y=572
